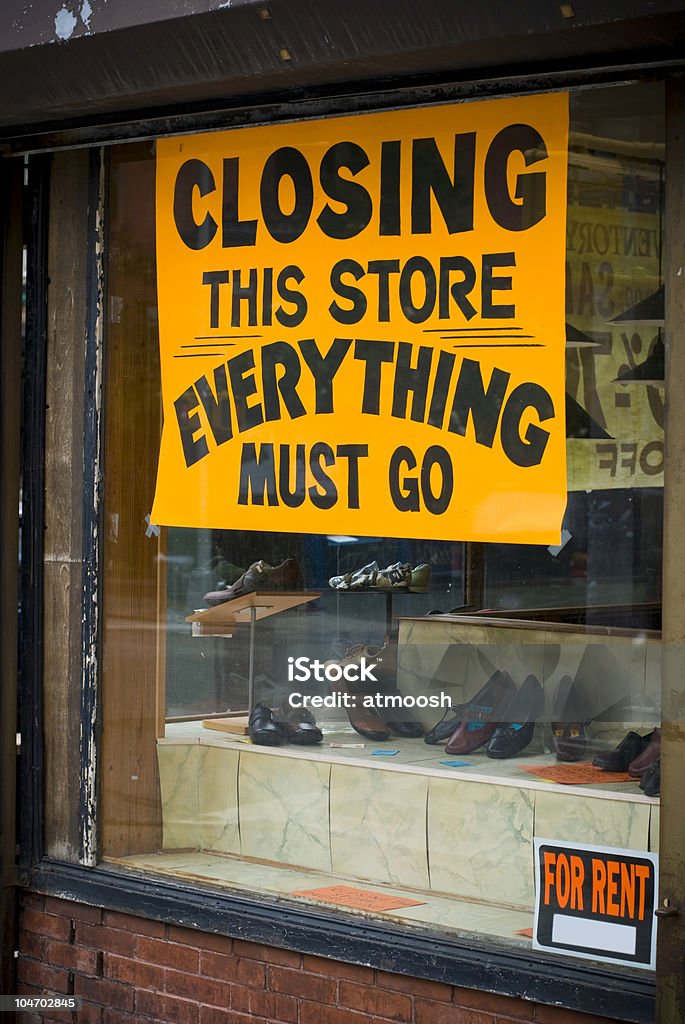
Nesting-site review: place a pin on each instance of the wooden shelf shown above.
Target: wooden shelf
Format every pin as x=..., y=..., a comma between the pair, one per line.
x=258, y=604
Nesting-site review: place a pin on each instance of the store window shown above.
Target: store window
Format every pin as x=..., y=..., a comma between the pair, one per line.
x=238, y=748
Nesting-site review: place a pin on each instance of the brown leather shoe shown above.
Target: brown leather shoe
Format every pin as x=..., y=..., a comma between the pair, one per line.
x=641, y=764
x=482, y=715
x=260, y=576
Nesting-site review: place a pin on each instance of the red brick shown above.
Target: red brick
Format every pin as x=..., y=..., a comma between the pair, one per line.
x=230, y=968
x=336, y=969
x=77, y=911
x=271, y=1005
x=558, y=1015
x=414, y=986
x=427, y=1011
x=167, y=1008
x=73, y=957
x=89, y=1014
x=42, y=976
x=133, y=972
x=32, y=901
x=168, y=954
x=105, y=992
x=306, y=986
x=45, y=924
x=117, y=1017
x=110, y=940
x=371, y=1000
x=316, y=1013
x=200, y=940
x=210, y=1015
x=507, y=1006
x=32, y=945
x=136, y=925
x=202, y=990
x=269, y=954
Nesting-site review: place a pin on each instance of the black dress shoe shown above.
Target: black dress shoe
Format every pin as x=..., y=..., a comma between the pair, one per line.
x=650, y=783
x=263, y=727
x=618, y=759
x=402, y=723
x=299, y=726
x=443, y=729
x=521, y=713
x=569, y=719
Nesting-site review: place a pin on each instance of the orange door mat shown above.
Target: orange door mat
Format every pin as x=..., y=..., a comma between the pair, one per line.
x=582, y=774
x=360, y=899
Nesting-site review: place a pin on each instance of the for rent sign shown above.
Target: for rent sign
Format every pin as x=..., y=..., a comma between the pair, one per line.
x=596, y=902
x=362, y=324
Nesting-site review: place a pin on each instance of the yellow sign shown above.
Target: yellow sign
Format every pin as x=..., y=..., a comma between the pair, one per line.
x=362, y=324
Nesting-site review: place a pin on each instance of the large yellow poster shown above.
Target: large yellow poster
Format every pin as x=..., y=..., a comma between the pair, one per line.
x=362, y=324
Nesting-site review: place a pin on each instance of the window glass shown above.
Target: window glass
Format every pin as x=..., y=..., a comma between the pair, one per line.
x=522, y=663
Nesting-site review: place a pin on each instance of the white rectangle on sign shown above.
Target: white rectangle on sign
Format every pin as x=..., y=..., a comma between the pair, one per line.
x=576, y=931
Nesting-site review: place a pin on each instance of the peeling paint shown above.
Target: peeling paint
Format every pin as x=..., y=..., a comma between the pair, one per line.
x=65, y=23
x=86, y=13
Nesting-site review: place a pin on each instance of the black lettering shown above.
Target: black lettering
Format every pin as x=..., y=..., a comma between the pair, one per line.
x=324, y=369
x=280, y=353
x=373, y=354
x=530, y=187
x=321, y=451
x=257, y=475
x=384, y=268
x=233, y=230
x=430, y=177
x=243, y=386
x=437, y=503
x=350, y=194
x=267, y=296
x=188, y=425
x=193, y=174
x=214, y=278
x=389, y=211
x=244, y=293
x=490, y=284
x=417, y=265
x=286, y=163
x=217, y=409
x=405, y=493
x=471, y=398
x=292, y=497
x=526, y=451
x=460, y=289
x=347, y=291
x=295, y=318
x=353, y=453
x=412, y=379
x=443, y=377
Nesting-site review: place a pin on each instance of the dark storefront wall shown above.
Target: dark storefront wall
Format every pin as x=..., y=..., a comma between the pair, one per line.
x=89, y=86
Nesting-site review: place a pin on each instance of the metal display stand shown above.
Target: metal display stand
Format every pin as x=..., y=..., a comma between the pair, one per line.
x=220, y=621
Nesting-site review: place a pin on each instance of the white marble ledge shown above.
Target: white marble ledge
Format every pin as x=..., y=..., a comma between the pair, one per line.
x=416, y=758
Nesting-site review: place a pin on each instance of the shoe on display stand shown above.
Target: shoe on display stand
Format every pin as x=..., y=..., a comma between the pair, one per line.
x=483, y=715
x=443, y=729
x=618, y=759
x=650, y=783
x=569, y=741
x=638, y=767
x=259, y=576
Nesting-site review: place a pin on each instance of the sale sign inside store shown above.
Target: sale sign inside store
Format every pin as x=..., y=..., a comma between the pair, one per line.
x=362, y=324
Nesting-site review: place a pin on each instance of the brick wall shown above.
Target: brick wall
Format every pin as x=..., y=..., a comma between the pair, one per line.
x=130, y=969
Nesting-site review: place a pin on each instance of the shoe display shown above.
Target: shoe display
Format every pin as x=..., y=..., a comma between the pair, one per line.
x=618, y=759
x=568, y=741
x=483, y=715
x=264, y=728
x=638, y=767
x=521, y=713
x=650, y=783
x=399, y=576
x=443, y=729
x=259, y=576
x=299, y=726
